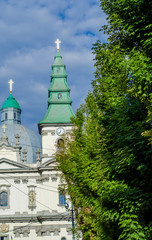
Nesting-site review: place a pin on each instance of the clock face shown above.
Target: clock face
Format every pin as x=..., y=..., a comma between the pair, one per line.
x=60, y=131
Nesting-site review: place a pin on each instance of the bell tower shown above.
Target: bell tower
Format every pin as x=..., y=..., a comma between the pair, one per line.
x=57, y=120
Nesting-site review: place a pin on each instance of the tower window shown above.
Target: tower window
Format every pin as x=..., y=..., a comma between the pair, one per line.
x=60, y=143
x=59, y=95
x=14, y=115
x=58, y=70
x=5, y=116
x=3, y=199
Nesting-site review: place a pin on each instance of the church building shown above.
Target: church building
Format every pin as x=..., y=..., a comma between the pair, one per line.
x=31, y=204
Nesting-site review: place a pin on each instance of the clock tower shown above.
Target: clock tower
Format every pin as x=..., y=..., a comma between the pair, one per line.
x=57, y=120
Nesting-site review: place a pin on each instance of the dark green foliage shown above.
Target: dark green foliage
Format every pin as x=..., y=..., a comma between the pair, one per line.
x=130, y=23
x=107, y=163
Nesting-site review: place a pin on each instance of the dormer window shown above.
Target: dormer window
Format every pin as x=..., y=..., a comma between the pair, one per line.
x=59, y=95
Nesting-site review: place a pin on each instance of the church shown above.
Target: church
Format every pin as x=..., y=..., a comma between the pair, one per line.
x=31, y=204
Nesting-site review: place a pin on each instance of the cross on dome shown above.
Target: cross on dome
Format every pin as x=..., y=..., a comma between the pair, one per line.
x=11, y=85
x=58, y=44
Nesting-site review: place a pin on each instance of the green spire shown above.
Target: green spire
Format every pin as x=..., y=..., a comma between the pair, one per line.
x=10, y=103
x=59, y=102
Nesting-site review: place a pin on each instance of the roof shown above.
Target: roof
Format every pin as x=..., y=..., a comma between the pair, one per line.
x=58, y=113
x=28, y=139
x=59, y=102
x=10, y=103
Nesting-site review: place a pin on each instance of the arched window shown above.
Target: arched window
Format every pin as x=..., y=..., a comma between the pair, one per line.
x=14, y=115
x=60, y=143
x=63, y=238
x=59, y=95
x=58, y=70
x=3, y=199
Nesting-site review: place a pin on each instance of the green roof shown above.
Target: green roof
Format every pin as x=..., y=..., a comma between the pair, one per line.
x=58, y=60
x=59, y=102
x=59, y=84
x=10, y=103
x=58, y=113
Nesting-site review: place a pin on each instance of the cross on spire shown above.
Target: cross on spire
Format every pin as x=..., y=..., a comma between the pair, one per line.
x=11, y=85
x=58, y=44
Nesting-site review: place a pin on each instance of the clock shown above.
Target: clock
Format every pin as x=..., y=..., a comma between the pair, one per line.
x=60, y=131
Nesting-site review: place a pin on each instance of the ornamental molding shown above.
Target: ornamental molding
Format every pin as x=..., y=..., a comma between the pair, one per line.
x=19, y=165
x=68, y=132
x=24, y=180
x=4, y=228
x=54, y=177
x=44, y=133
x=43, y=178
x=52, y=132
x=40, y=217
x=17, y=180
x=45, y=230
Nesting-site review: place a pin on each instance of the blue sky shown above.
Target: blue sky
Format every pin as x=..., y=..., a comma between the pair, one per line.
x=28, y=30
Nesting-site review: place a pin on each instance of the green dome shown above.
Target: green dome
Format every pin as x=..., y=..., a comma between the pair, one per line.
x=10, y=103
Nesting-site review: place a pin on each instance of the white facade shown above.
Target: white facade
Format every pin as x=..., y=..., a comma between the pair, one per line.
x=33, y=209
x=50, y=137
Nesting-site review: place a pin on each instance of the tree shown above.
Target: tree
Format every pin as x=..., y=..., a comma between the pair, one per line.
x=129, y=23
x=107, y=164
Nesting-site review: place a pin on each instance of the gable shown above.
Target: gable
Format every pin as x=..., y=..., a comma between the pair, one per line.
x=9, y=153
x=8, y=164
x=49, y=163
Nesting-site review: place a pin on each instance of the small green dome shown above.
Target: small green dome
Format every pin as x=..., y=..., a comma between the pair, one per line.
x=10, y=103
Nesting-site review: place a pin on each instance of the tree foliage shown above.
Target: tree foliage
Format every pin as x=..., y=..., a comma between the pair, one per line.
x=129, y=23
x=107, y=162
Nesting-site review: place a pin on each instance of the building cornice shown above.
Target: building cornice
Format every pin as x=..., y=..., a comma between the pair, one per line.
x=39, y=217
x=41, y=125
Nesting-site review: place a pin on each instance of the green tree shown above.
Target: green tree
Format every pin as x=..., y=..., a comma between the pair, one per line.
x=107, y=162
x=129, y=23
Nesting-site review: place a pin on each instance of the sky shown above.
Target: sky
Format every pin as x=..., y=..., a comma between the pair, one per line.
x=28, y=30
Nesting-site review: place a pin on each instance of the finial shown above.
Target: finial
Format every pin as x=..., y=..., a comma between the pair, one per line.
x=24, y=155
x=4, y=127
x=11, y=85
x=38, y=156
x=4, y=138
x=17, y=139
x=58, y=44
